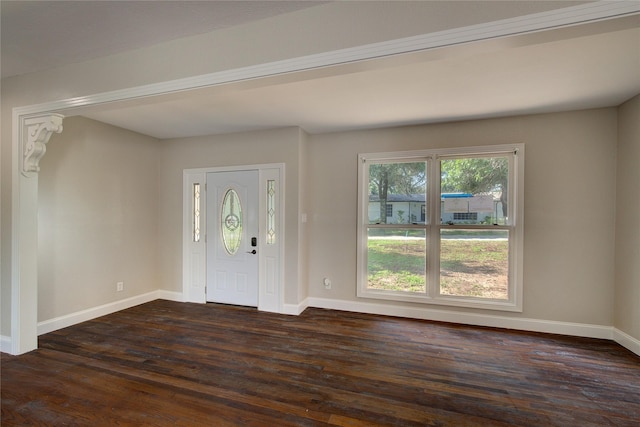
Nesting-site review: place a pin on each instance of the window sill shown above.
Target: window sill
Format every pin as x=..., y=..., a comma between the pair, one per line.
x=452, y=301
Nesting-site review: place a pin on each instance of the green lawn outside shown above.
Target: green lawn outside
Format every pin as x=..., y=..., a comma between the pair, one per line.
x=474, y=267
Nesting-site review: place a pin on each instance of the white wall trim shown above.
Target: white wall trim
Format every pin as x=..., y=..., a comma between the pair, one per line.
x=102, y=310
x=476, y=319
x=169, y=295
x=535, y=325
x=626, y=340
x=295, y=309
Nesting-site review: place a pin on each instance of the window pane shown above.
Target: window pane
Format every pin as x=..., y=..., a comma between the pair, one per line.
x=474, y=263
x=397, y=193
x=474, y=190
x=396, y=260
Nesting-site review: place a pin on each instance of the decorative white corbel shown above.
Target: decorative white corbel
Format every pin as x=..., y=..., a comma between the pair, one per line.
x=36, y=134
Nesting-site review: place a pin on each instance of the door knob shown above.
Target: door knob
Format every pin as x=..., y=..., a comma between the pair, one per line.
x=252, y=252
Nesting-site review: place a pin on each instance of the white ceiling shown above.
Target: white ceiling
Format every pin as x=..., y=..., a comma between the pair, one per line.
x=38, y=35
x=597, y=65
x=585, y=72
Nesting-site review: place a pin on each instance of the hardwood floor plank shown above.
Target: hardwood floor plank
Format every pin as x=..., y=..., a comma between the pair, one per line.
x=168, y=363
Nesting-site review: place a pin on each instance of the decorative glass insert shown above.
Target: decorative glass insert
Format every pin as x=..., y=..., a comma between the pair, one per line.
x=196, y=212
x=271, y=212
x=231, y=225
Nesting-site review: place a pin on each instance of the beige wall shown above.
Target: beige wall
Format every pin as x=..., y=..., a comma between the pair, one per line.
x=569, y=206
x=304, y=197
x=276, y=146
x=97, y=217
x=99, y=173
x=317, y=30
x=268, y=40
x=111, y=210
x=627, y=290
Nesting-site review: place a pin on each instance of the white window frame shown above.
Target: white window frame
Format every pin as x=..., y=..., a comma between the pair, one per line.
x=432, y=227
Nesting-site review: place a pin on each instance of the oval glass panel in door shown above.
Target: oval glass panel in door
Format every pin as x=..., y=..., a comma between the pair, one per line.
x=231, y=227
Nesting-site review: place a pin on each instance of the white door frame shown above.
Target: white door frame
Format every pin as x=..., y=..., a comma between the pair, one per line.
x=270, y=256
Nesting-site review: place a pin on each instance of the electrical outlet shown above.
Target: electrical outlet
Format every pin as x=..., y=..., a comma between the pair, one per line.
x=327, y=283
x=119, y=286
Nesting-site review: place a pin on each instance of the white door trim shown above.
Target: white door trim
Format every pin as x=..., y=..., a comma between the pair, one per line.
x=270, y=257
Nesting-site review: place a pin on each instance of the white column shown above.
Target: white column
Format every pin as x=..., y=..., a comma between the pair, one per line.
x=31, y=137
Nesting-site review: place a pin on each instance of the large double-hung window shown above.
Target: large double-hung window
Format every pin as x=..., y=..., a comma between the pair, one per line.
x=442, y=226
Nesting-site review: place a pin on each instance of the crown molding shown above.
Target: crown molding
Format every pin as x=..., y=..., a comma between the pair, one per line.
x=549, y=20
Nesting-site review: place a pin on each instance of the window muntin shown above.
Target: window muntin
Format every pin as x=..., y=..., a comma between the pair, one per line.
x=471, y=256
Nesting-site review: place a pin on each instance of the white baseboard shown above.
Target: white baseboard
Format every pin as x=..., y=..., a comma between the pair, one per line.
x=102, y=310
x=5, y=344
x=170, y=295
x=295, y=309
x=626, y=340
x=476, y=319
x=526, y=324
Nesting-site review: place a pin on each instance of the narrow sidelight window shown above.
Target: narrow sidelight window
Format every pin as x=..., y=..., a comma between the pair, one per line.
x=271, y=212
x=196, y=212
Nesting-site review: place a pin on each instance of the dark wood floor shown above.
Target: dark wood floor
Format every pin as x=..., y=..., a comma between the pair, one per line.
x=168, y=363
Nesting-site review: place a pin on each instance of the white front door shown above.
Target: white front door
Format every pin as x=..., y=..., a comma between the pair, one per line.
x=232, y=230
